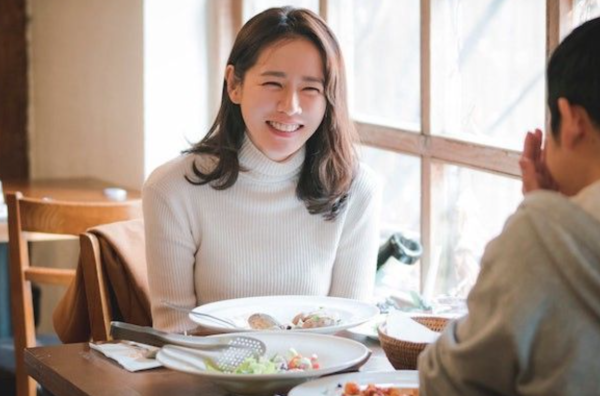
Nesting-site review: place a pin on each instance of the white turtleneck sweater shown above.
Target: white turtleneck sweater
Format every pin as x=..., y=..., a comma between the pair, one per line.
x=253, y=239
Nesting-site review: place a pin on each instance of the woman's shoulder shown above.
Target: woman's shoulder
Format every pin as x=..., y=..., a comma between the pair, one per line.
x=367, y=181
x=173, y=174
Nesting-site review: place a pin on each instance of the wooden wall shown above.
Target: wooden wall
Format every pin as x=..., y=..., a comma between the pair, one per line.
x=13, y=90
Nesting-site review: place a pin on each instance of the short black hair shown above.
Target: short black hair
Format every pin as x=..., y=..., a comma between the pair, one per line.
x=574, y=73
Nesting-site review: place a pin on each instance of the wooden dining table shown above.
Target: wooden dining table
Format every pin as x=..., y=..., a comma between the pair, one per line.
x=77, y=370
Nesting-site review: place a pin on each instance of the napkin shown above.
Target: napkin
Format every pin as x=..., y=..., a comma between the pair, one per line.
x=402, y=327
x=133, y=356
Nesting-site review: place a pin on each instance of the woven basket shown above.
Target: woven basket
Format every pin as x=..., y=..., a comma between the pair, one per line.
x=403, y=354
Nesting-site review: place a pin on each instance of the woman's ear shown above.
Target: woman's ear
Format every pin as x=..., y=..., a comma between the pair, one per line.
x=234, y=85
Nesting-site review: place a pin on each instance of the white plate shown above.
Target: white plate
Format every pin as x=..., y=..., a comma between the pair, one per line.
x=369, y=329
x=330, y=386
x=334, y=354
x=283, y=308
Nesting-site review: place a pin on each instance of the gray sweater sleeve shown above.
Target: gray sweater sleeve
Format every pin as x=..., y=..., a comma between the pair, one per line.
x=476, y=354
x=529, y=331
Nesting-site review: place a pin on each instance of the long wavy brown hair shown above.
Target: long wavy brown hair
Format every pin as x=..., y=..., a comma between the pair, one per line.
x=331, y=160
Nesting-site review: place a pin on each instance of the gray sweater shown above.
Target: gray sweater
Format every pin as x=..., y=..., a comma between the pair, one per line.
x=534, y=314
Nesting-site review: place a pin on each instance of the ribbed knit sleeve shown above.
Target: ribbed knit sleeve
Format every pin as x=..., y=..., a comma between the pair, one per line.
x=170, y=250
x=534, y=312
x=356, y=256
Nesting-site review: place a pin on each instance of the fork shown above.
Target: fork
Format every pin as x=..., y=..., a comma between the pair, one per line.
x=201, y=315
x=224, y=352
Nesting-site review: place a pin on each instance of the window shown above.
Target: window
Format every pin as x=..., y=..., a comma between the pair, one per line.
x=443, y=92
x=584, y=10
x=251, y=8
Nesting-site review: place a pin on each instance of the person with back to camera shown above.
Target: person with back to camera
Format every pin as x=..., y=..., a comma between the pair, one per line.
x=533, y=326
x=273, y=201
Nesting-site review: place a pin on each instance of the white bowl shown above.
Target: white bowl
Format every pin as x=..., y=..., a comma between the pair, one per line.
x=334, y=354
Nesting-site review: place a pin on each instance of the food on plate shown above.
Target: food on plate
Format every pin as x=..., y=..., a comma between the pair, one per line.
x=261, y=321
x=292, y=361
x=353, y=389
x=311, y=320
x=303, y=320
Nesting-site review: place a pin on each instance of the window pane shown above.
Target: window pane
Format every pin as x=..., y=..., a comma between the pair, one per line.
x=401, y=212
x=488, y=60
x=381, y=44
x=469, y=209
x=253, y=7
x=584, y=10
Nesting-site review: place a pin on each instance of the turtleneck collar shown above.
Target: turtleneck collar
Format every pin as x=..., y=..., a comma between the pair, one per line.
x=261, y=167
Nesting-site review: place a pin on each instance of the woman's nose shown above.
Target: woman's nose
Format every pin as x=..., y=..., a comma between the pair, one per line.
x=290, y=103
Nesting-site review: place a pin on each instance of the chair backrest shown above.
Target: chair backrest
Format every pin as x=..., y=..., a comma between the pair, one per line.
x=53, y=217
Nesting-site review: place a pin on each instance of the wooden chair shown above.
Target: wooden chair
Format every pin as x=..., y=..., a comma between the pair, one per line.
x=53, y=217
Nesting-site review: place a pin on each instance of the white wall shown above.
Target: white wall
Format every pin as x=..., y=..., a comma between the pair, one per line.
x=116, y=88
x=86, y=90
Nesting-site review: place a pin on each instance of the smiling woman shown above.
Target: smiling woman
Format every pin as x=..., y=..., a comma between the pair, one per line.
x=282, y=97
x=273, y=201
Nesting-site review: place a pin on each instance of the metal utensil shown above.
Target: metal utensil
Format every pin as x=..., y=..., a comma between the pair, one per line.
x=225, y=352
x=202, y=315
x=261, y=321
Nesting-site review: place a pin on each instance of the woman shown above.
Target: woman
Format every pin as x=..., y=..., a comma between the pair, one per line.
x=273, y=200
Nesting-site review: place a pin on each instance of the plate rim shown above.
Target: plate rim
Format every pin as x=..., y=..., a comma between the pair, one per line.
x=373, y=336
x=300, y=375
x=345, y=377
x=284, y=300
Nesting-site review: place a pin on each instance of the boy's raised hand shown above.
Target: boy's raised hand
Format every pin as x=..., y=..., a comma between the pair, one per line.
x=534, y=173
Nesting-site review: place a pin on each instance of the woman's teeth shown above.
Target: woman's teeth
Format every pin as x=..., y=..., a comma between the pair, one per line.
x=284, y=127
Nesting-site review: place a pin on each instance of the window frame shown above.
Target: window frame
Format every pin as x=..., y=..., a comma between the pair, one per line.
x=436, y=151
x=433, y=151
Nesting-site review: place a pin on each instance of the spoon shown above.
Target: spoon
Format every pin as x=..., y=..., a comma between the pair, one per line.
x=262, y=321
x=201, y=315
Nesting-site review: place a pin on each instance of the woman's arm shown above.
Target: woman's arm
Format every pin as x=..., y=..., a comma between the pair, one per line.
x=356, y=258
x=170, y=252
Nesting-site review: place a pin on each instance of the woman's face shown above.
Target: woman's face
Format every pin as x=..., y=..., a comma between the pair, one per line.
x=282, y=97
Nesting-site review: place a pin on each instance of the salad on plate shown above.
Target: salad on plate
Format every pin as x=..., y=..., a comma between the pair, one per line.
x=292, y=361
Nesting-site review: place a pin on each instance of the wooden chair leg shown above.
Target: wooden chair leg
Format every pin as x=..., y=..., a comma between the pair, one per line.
x=24, y=336
x=26, y=386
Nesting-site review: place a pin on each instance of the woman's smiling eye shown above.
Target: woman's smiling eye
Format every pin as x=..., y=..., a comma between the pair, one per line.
x=313, y=89
x=272, y=84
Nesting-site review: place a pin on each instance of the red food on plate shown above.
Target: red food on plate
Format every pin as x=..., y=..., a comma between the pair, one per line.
x=353, y=389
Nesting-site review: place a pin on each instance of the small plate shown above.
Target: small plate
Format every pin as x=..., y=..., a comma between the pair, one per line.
x=284, y=308
x=333, y=385
x=369, y=329
x=334, y=354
